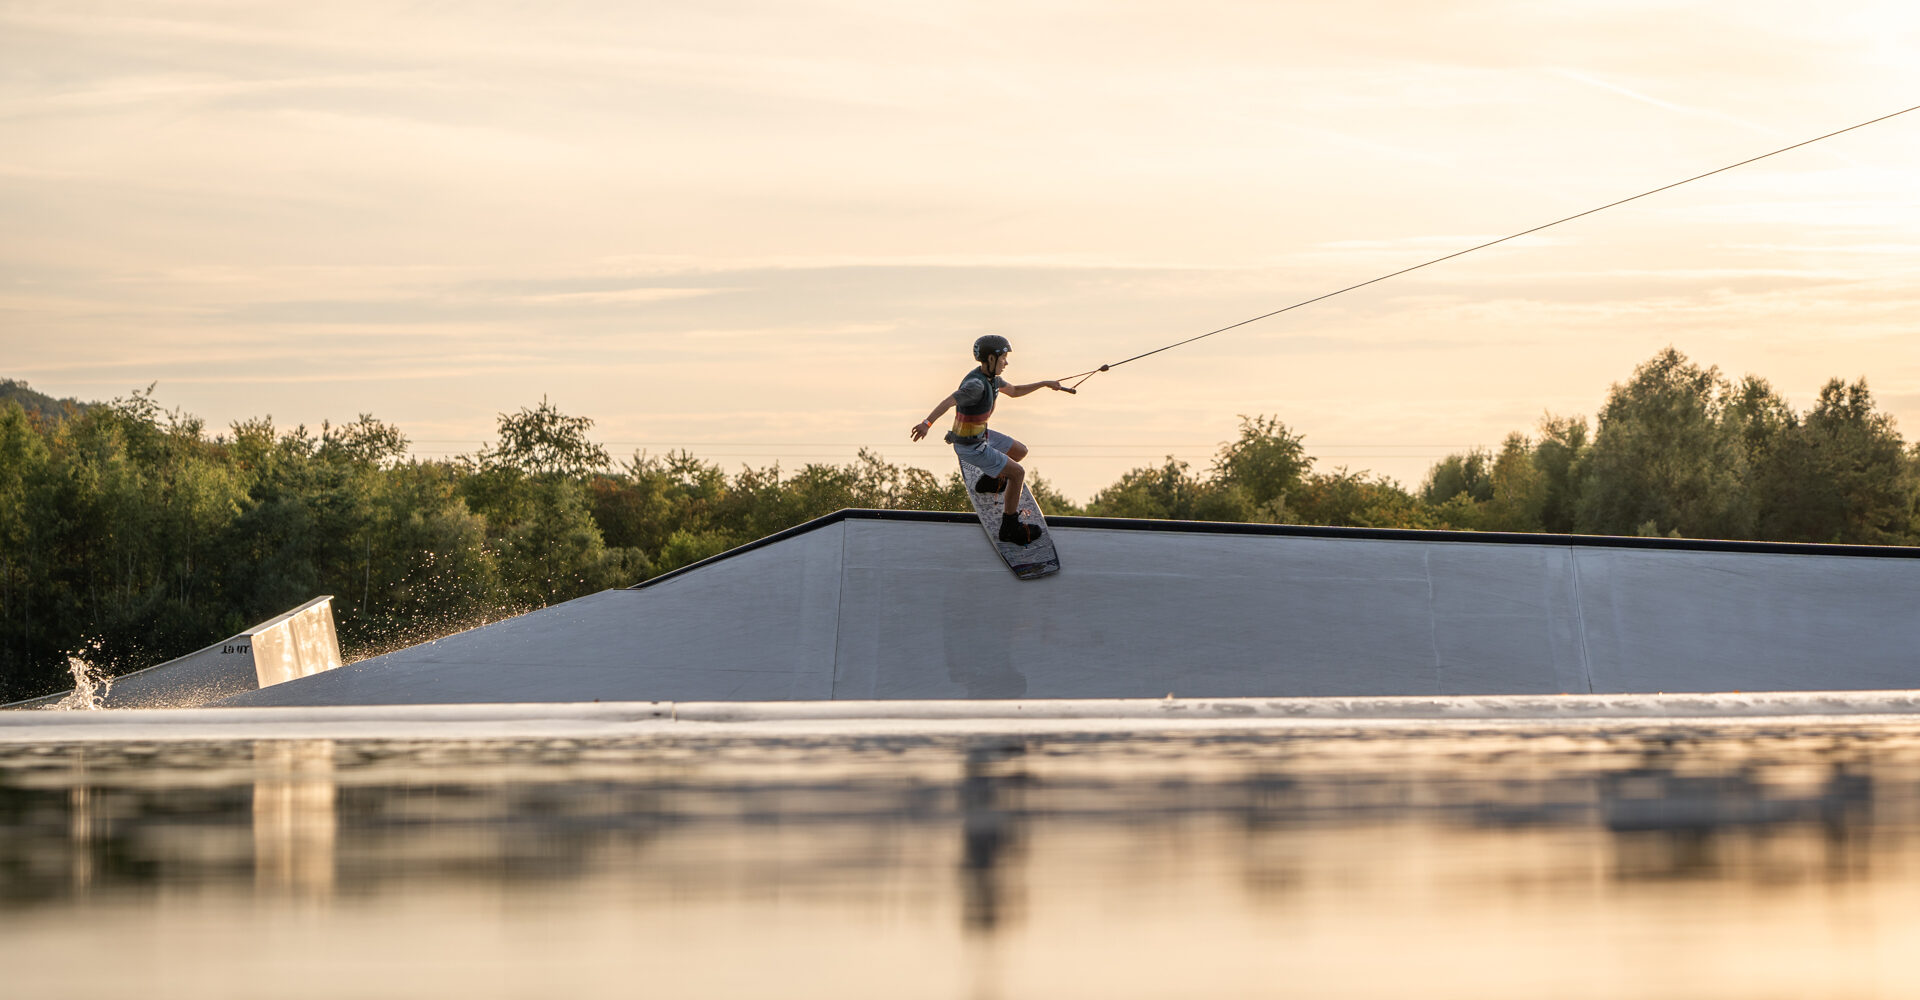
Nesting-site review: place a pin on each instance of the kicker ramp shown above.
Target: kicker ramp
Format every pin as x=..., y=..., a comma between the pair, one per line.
x=297, y=643
x=912, y=605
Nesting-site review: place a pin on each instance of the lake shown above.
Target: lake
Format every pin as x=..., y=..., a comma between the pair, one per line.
x=1758, y=858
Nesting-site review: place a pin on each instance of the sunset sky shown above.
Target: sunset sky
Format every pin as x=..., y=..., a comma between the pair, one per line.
x=769, y=231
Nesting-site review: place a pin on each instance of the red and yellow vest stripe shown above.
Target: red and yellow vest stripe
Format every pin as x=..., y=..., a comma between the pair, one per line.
x=973, y=423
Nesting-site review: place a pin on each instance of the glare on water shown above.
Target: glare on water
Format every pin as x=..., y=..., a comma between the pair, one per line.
x=1593, y=860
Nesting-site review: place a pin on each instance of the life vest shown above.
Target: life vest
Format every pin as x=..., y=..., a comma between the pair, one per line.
x=970, y=420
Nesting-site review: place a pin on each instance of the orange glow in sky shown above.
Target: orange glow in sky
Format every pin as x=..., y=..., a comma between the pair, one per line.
x=769, y=231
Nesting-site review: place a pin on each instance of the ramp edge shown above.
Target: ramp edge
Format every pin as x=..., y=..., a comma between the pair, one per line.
x=663, y=718
x=1316, y=531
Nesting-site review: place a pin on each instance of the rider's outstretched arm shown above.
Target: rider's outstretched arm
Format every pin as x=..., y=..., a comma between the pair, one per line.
x=1021, y=390
x=920, y=429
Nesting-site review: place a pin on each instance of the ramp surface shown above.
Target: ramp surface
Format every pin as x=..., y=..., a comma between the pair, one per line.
x=870, y=605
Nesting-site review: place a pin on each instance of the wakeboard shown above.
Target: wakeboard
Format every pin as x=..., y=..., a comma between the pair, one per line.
x=1028, y=562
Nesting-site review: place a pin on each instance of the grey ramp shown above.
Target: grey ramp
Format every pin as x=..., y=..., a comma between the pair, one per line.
x=867, y=605
x=1750, y=622
x=756, y=627
x=1147, y=614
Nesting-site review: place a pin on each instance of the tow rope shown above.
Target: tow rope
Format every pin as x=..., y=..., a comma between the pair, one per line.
x=1083, y=376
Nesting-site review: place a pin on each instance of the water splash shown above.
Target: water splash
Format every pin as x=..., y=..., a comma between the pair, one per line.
x=90, y=684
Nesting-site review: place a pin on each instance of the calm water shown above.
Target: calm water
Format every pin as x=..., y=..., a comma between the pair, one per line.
x=1742, y=861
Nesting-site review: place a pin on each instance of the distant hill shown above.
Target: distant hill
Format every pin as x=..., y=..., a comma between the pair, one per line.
x=12, y=390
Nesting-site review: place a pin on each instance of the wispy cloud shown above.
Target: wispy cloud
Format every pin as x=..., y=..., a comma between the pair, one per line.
x=439, y=213
x=1632, y=94
x=123, y=92
x=619, y=296
x=1693, y=111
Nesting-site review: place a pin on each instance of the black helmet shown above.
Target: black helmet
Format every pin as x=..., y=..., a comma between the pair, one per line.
x=989, y=345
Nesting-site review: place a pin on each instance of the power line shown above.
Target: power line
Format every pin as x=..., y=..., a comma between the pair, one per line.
x=1083, y=376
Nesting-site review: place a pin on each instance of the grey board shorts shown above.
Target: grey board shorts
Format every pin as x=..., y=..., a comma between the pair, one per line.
x=988, y=455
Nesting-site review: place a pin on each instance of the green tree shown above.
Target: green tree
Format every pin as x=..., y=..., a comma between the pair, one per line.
x=428, y=567
x=38, y=405
x=1266, y=463
x=1518, y=497
x=1666, y=457
x=364, y=443
x=137, y=503
x=319, y=522
x=1469, y=475
x=542, y=441
x=1357, y=499
x=1171, y=491
x=532, y=489
x=554, y=551
x=27, y=575
x=1840, y=475
x=1560, y=456
x=654, y=496
x=1761, y=417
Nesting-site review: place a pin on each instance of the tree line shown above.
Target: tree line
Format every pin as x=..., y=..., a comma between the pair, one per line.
x=1679, y=450
x=130, y=532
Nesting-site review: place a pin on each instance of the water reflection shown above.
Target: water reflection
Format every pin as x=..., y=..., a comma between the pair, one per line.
x=991, y=821
x=80, y=827
x=302, y=818
x=991, y=863
x=294, y=822
x=1814, y=822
